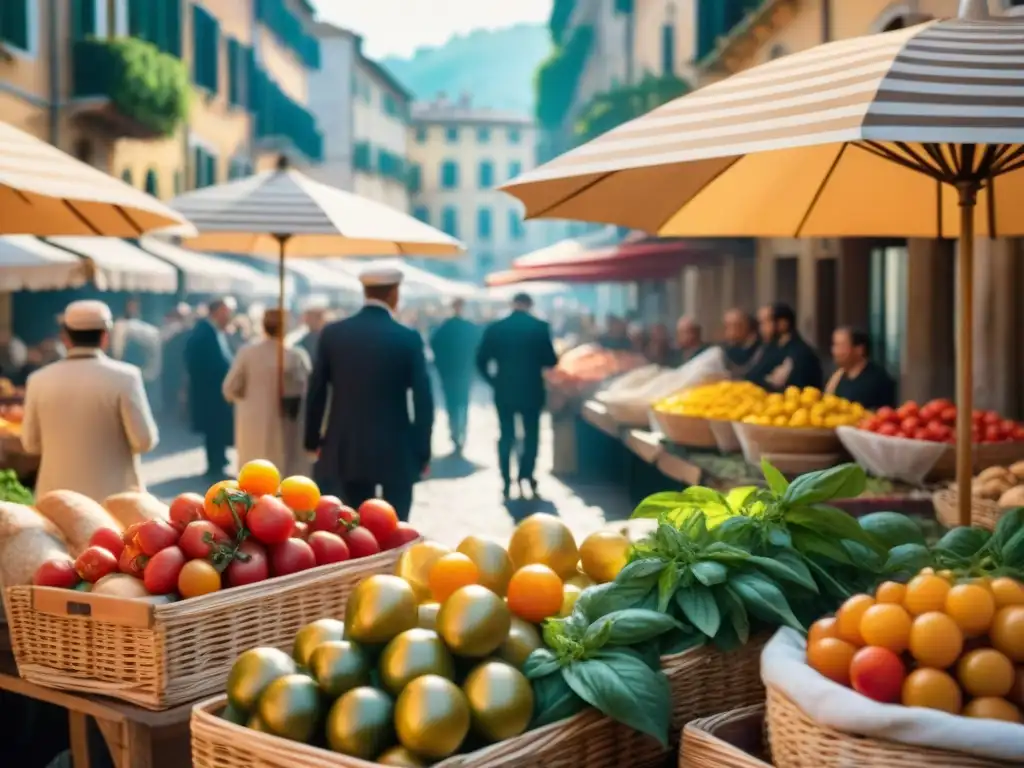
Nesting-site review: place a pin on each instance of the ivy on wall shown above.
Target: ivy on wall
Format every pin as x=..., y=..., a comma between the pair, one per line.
x=561, y=12
x=558, y=76
x=619, y=105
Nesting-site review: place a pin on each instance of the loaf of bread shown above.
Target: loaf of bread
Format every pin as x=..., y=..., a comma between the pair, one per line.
x=78, y=517
x=23, y=553
x=134, y=507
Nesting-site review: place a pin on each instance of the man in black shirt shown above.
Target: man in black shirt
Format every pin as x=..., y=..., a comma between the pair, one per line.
x=742, y=343
x=791, y=361
x=689, y=341
x=857, y=378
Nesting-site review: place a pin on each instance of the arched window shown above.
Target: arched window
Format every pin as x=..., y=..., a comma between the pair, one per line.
x=126, y=176
x=152, y=185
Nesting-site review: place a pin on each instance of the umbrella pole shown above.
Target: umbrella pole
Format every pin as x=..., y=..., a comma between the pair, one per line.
x=281, y=241
x=965, y=350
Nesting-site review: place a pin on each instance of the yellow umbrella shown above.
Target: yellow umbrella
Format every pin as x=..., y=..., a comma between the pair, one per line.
x=46, y=192
x=929, y=120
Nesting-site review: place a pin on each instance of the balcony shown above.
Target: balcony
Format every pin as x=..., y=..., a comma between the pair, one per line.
x=128, y=88
x=281, y=124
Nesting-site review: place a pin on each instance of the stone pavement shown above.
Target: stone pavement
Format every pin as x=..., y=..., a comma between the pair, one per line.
x=461, y=496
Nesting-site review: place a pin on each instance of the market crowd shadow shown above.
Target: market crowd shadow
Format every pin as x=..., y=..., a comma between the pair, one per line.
x=454, y=466
x=521, y=508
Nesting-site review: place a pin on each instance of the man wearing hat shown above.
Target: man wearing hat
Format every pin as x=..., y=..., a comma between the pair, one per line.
x=87, y=415
x=368, y=364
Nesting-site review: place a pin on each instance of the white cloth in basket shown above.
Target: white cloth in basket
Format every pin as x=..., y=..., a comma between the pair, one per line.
x=623, y=388
x=897, y=458
x=784, y=666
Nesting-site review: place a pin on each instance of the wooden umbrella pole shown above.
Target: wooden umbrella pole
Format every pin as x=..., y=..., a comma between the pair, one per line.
x=281, y=241
x=965, y=350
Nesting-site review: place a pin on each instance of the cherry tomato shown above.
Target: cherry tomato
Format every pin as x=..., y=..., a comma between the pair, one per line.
x=402, y=535
x=199, y=539
x=948, y=415
x=270, y=521
x=326, y=515
x=885, y=413
x=907, y=410
x=361, y=543
x=95, y=563
x=878, y=674
x=109, y=539
x=128, y=535
x=198, y=577
x=131, y=561
x=156, y=535
x=161, y=572
x=889, y=429
x=259, y=478
x=328, y=547
x=922, y=434
x=56, y=573
x=186, y=508
x=301, y=531
x=291, y=556
x=221, y=500
x=300, y=493
x=378, y=517
x=251, y=569
x=910, y=425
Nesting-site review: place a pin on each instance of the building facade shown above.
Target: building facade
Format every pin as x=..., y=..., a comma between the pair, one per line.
x=331, y=98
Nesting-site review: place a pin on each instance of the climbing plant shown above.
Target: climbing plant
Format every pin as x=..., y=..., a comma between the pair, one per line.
x=558, y=76
x=624, y=103
x=561, y=11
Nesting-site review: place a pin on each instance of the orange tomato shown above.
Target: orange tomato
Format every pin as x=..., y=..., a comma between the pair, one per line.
x=887, y=626
x=821, y=629
x=986, y=672
x=890, y=592
x=991, y=708
x=926, y=593
x=972, y=607
x=535, y=592
x=451, y=572
x=1007, y=591
x=198, y=577
x=218, y=511
x=1007, y=632
x=932, y=688
x=832, y=657
x=259, y=478
x=300, y=493
x=848, y=618
x=935, y=640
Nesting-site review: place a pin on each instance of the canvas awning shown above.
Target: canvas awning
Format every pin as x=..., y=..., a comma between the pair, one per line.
x=570, y=248
x=206, y=273
x=120, y=265
x=30, y=264
x=324, y=277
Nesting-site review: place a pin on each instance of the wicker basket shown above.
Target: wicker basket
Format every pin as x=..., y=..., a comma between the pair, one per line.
x=725, y=436
x=588, y=740
x=629, y=413
x=685, y=430
x=799, y=742
x=983, y=456
x=984, y=513
x=730, y=740
x=757, y=440
x=160, y=656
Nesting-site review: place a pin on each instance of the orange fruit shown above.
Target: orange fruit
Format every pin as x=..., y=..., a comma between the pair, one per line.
x=947, y=574
x=535, y=592
x=1007, y=591
x=992, y=708
x=986, y=672
x=886, y=625
x=1007, y=632
x=259, y=478
x=210, y=506
x=932, y=688
x=972, y=607
x=890, y=592
x=452, y=571
x=935, y=640
x=821, y=629
x=198, y=577
x=926, y=593
x=299, y=493
x=831, y=657
x=848, y=618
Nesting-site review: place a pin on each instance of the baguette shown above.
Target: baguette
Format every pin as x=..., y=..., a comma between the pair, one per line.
x=78, y=517
x=135, y=507
x=15, y=518
x=22, y=554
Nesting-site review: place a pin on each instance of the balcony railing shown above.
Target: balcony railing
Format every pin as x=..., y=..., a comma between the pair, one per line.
x=281, y=120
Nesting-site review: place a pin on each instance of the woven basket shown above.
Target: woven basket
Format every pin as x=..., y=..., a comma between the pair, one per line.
x=758, y=439
x=588, y=740
x=629, y=413
x=984, y=513
x=730, y=740
x=725, y=436
x=160, y=656
x=685, y=430
x=798, y=464
x=799, y=742
x=983, y=456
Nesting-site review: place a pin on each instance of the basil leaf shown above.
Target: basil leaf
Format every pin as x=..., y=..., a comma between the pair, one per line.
x=865, y=557
x=554, y=700
x=739, y=531
x=779, y=537
x=1013, y=551
x=786, y=566
x=696, y=528
x=595, y=602
x=892, y=529
x=726, y=639
x=908, y=559
x=698, y=605
x=669, y=539
x=625, y=689
x=736, y=613
x=725, y=553
x=540, y=663
x=639, y=569
x=963, y=542
x=764, y=599
x=1012, y=520
x=668, y=582
x=807, y=542
x=845, y=481
x=632, y=626
x=829, y=583
x=831, y=522
x=709, y=573
x=598, y=634
x=776, y=480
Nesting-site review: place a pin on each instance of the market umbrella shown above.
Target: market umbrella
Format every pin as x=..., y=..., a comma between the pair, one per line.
x=285, y=214
x=926, y=123
x=46, y=192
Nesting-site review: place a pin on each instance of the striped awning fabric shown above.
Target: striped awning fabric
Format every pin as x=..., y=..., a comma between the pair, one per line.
x=320, y=221
x=792, y=147
x=46, y=192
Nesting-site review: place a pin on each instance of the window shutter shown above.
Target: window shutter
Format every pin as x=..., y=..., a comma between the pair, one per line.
x=83, y=19
x=14, y=23
x=172, y=26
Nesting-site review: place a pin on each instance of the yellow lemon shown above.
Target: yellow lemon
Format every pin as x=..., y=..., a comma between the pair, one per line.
x=544, y=539
x=603, y=554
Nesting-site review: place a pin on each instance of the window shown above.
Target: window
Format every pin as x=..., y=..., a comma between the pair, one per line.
x=421, y=134
x=451, y=135
x=205, y=167
x=236, y=73
x=515, y=167
x=83, y=19
x=483, y=135
x=152, y=185
x=415, y=179
x=393, y=106
x=362, y=157
x=16, y=24
x=449, y=174
x=486, y=175
x=483, y=224
x=126, y=176
x=450, y=220
x=422, y=213
x=515, y=225
x=157, y=22
x=514, y=135
x=205, y=47
x=668, y=49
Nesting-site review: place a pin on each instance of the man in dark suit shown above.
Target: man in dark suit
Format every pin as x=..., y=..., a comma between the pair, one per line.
x=371, y=362
x=519, y=347
x=454, y=343
x=208, y=358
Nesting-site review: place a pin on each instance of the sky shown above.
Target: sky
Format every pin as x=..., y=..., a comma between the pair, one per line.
x=399, y=27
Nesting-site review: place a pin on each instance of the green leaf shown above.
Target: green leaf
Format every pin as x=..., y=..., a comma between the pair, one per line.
x=807, y=542
x=709, y=573
x=1011, y=521
x=764, y=599
x=1013, y=551
x=640, y=569
x=866, y=558
x=698, y=605
x=963, y=541
x=776, y=480
x=779, y=537
x=667, y=584
x=736, y=612
x=739, y=531
x=737, y=497
x=845, y=481
x=654, y=507
x=632, y=626
x=625, y=689
x=540, y=663
x=833, y=523
x=595, y=602
x=598, y=634
x=553, y=700
x=892, y=529
x=726, y=553
x=908, y=559
x=786, y=566
x=828, y=583
x=670, y=540
x=695, y=529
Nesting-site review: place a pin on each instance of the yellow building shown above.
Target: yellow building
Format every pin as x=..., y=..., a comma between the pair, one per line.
x=106, y=80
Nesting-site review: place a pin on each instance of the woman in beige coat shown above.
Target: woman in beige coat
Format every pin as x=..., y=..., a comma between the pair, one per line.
x=262, y=429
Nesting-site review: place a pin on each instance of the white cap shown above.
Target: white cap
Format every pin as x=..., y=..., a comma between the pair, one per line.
x=379, y=277
x=314, y=303
x=88, y=315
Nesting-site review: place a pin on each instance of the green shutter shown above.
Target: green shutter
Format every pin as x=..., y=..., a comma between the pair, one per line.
x=152, y=186
x=14, y=23
x=83, y=19
x=172, y=26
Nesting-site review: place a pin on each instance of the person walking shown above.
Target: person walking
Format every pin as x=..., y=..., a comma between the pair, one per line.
x=266, y=427
x=208, y=358
x=367, y=365
x=134, y=341
x=519, y=348
x=88, y=416
x=454, y=343
x=174, y=338
x=314, y=318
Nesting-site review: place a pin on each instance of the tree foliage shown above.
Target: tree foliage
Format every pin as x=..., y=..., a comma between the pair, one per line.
x=613, y=108
x=557, y=78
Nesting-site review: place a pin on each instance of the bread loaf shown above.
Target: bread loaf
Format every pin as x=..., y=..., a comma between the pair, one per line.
x=23, y=553
x=15, y=518
x=134, y=507
x=78, y=517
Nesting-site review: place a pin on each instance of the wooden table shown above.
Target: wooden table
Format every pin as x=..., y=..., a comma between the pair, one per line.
x=596, y=414
x=136, y=737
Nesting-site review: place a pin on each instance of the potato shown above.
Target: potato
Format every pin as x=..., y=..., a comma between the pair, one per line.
x=134, y=507
x=993, y=489
x=23, y=553
x=994, y=473
x=1014, y=497
x=78, y=517
x=1017, y=470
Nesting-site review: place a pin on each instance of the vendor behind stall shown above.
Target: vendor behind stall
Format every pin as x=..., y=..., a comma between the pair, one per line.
x=858, y=378
x=788, y=360
x=742, y=345
x=689, y=340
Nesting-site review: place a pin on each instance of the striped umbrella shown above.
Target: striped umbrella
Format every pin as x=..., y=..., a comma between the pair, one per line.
x=913, y=133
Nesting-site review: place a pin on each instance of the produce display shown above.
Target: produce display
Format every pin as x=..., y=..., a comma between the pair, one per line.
x=1004, y=485
x=241, y=532
x=591, y=364
x=11, y=488
x=723, y=400
x=936, y=422
x=803, y=408
x=11, y=417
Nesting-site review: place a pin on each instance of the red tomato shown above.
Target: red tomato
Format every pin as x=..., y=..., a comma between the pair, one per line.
x=948, y=415
x=251, y=569
x=326, y=514
x=403, y=534
x=270, y=521
x=941, y=403
x=1006, y=427
x=291, y=556
x=224, y=502
x=107, y=538
x=361, y=543
x=131, y=561
x=161, y=572
x=871, y=424
x=328, y=547
x=910, y=425
x=993, y=434
x=186, y=508
x=56, y=573
x=95, y=563
x=877, y=673
x=199, y=539
x=155, y=535
x=128, y=534
x=907, y=410
x=888, y=429
x=991, y=418
x=301, y=531
x=378, y=517
x=1018, y=432
x=929, y=411
x=938, y=431
x=922, y=434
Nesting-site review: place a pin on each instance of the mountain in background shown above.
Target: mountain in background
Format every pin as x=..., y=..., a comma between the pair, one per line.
x=494, y=66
